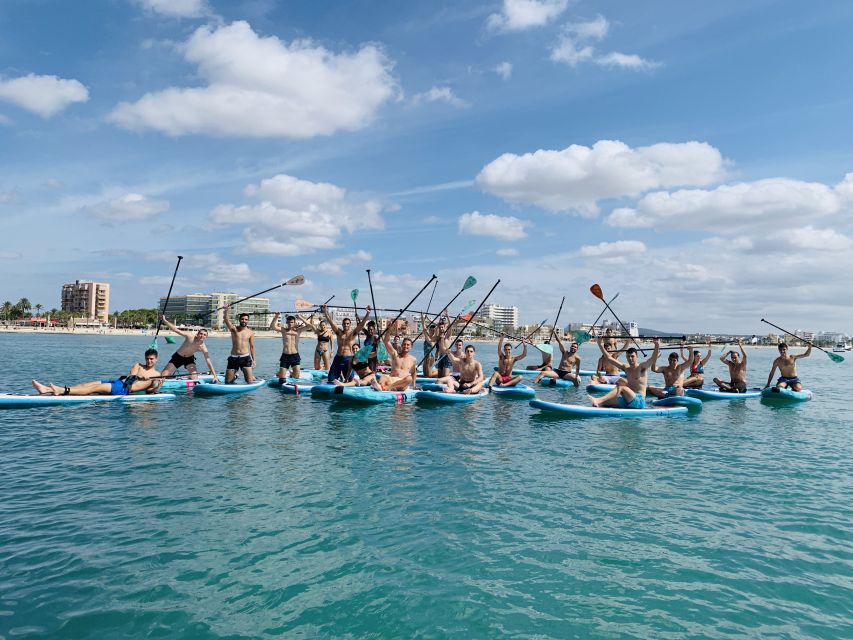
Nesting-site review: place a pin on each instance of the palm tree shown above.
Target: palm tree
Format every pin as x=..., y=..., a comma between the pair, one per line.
x=39, y=307
x=24, y=306
x=8, y=307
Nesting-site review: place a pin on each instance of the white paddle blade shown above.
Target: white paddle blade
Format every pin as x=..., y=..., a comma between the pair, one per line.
x=296, y=280
x=304, y=304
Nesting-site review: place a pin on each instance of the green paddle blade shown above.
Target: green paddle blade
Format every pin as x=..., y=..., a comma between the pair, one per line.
x=362, y=354
x=582, y=336
x=170, y=340
x=470, y=281
x=153, y=344
x=545, y=348
x=353, y=294
x=468, y=305
x=835, y=357
x=383, y=352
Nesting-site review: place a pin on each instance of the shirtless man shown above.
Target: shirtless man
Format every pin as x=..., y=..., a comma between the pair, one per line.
x=290, y=332
x=142, y=377
x=632, y=394
x=606, y=371
x=445, y=327
x=430, y=333
x=403, y=367
x=242, y=348
x=346, y=334
x=506, y=361
x=673, y=377
x=568, y=360
x=697, y=369
x=610, y=340
x=185, y=355
x=737, y=371
x=471, y=376
x=787, y=366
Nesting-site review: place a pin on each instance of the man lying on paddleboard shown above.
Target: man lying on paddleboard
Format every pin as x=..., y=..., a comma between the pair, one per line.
x=632, y=394
x=185, y=355
x=142, y=377
x=787, y=366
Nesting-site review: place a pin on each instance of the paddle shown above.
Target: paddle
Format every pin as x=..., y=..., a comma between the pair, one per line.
x=304, y=305
x=294, y=281
x=470, y=281
x=832, y=356
x=596, y=291
x=531, y=334
x=365, y=351
x=556, y=321
x=379, y=348
x=354, y=295
x=586, y=336
x=169, y=339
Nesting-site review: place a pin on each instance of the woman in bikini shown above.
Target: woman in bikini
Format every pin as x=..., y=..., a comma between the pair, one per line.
x=323, y=351
x=697, y=369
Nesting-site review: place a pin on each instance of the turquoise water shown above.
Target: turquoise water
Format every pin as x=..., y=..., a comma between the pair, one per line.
x=270, y=514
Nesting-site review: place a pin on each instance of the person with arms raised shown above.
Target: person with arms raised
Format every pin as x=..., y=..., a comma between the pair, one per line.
x=787, y=366
x=471, y=376
x=504, y=377
x=632, y=394
x=569, y=361
x=242, y=348
x=346, y=334
x=185, y=355
x=737, y=371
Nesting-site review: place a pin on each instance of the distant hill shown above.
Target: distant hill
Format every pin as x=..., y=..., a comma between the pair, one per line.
x=659, y=334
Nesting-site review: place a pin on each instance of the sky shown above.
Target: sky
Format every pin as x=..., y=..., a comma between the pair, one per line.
x=695, y=158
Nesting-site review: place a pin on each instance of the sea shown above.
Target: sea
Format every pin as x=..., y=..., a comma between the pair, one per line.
x=273, y=515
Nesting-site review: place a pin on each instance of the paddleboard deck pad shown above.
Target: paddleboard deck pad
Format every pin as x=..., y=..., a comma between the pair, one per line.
x=582, y=411
x=15, y=401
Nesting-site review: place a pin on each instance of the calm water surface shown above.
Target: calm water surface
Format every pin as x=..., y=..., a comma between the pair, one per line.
x=269, y=514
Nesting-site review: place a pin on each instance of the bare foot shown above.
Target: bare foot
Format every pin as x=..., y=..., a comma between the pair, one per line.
x=593, y=401
x=41, y=388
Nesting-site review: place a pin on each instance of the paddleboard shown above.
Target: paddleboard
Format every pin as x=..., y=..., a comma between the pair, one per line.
x=600, y=388
x=533, y=372
x=678, y=401
x=182, y=384
x=292, y=385
x=605, y=412
x=443, y=397
x=556, y=382
x=786, y=395
x=710, y=394
x=221, y=389
x=15, y=401
x=518, y=391
x=369, y=395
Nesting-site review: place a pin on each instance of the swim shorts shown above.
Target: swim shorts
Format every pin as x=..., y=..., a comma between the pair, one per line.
x=637, y=403
x=181, y=361
x=117, y=387
x=788, y=381
x=443, y=362
x=340, y=368
x=610, y=379
x=240, y=362
x=288, y=360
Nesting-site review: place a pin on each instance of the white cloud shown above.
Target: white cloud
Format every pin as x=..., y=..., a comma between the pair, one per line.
x=54, y=183
x=177, y=8
x=616, y=249
x=729, y=209
x=507, y=253
x=576, y=178
x=335, y=266
x=10, y=255
x=10, y=197
x=296, y=217
x=575, y=46
x=518, y=15
x=264, y=87
x=439, y=94
x=798, y=240
x=488, y=224
x=228, y=273
x=504, y=70
x=127, y=208
x=43, y=95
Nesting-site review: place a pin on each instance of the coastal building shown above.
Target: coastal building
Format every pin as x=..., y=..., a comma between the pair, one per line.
x=90, y=299
x=199, y=309
x=501, y=317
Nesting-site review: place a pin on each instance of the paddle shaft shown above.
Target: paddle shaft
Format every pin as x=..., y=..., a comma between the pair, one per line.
x=411, y=302
x=435, y=317
x=794, y=335
x=168, y=297
x=354, y=296
x=254, y=295
x=557, y=320
x=622, y=324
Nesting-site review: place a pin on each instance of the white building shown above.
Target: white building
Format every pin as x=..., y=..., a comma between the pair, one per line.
x=506, y=317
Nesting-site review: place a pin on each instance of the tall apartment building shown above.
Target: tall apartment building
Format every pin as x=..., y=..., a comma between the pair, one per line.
x=198, y=309
x=499, y=316
x=89, y=299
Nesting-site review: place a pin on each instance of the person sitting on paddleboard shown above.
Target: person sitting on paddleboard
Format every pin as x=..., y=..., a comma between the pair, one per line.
x=403, y=367
x=547, y=359
x=360, y=375
x=697, y=369
x=570, y=364
x=787, y=366
x=737, y=371
x=242, y=347
x=606, y=371
x=632, y=394
x=503, y=377
x=346, y=334
x=185, y=355
x=673, y=377
x=142, y=377
x=471, y=376
x=290, y=332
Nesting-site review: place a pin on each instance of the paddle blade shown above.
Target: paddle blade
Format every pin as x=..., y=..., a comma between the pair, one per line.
x=470, y=281
x=597, y=292
x=835, y=357
x=354, y=294
x=153, y=344
x=170, y=340
x=582, y=336
x=363, y=354
x=304, y=304
x=467, y=317
x=296, y=280
x=545, y=348
x=382, y=353
x=469, y=304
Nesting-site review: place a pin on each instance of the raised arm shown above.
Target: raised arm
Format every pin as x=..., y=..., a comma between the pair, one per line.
x=274, y=325
x=652, y=361
x=226, y=312
x=707, y=355
x=363, y=322
x=805, y=354
x=331, y=322
x=560, y=343
x=172, y=327
x=500, y=345
x=742, y=351
x=523, y=354
x=608, y=358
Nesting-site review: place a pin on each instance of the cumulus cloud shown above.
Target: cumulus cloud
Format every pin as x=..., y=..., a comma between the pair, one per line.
x=43, y=95
x=295, y=217
x=576, y=45
x=504, y=70
x=576, y=178
x=730, y=209
x=617, y=249
x=228, y=273
x=263, y=87
x=127, y=208
x=796, y=240
x=439, y=94
x=518, y=15
x=176, y=8
x=488, y=224
x=336, y=266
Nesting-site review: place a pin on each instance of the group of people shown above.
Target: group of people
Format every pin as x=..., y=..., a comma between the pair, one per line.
x=457, y=369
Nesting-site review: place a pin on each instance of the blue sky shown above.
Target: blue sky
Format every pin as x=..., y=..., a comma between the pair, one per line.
x=691, y=156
